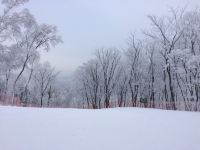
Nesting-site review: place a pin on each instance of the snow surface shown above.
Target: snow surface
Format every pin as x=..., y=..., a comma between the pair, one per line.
x=112, y=129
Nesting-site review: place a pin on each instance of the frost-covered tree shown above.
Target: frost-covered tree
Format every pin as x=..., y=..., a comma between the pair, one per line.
x=161, y=70
x=21, y=39
x=98, y=78
x=44, y=78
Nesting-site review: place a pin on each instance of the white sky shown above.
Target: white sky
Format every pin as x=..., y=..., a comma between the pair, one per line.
x=86, y=25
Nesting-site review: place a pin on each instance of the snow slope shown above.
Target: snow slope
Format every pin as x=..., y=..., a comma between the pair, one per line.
x=112, y=129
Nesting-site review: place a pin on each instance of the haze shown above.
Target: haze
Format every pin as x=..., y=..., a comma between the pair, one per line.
x=90, y=24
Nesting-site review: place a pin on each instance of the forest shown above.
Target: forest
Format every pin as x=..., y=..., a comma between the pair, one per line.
x=160, y=69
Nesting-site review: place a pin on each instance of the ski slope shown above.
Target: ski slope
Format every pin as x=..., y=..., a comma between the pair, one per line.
x=106, y=129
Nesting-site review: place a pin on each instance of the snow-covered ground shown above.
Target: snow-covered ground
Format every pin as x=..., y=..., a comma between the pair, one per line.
x=112, y=129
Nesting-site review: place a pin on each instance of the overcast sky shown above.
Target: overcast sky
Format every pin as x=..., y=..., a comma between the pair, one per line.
x=86, y=25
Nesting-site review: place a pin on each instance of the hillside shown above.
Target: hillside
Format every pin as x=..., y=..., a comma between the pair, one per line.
x=107, y=129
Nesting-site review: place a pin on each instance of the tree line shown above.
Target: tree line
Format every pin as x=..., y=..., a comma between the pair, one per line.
x=159, y=70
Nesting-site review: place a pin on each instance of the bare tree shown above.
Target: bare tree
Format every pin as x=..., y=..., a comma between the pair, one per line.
x=133, y=55
x=122, y=87
x=44, y=77
x=167, y=31
x=33, y=39
x=21, y=38
x=109, y=60
x=90, y=78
